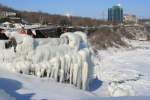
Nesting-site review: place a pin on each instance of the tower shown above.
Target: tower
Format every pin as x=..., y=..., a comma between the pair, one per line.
x=115, y=14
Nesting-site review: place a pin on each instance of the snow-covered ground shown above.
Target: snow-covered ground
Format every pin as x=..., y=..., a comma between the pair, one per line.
x=25, y=87
x=119, y=72
x=125, y=72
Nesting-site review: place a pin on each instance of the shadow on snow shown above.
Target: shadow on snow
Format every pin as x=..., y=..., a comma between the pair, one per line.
x=95, y=84
x=11, y=86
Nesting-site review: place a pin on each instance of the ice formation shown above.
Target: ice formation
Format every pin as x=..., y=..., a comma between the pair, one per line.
x=65, y=59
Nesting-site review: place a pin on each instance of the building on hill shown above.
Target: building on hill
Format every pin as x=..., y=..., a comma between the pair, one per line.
x=130, y=19
x=115, y=14
x=4, y=14
x=9, y=16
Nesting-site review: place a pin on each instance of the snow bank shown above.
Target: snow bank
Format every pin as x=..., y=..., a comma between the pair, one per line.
x=66, y=59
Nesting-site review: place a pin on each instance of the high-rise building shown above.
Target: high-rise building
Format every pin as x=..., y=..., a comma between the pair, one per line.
x=115, y=14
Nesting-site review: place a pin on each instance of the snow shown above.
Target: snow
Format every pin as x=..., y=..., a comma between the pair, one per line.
x=125, y=72
x=26, y=87
x=48, y=64
x=5, y=96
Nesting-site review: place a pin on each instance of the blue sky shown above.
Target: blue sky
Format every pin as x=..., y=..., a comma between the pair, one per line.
x=85, y=8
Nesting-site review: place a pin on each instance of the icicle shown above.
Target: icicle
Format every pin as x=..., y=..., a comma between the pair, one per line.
x=62, y=69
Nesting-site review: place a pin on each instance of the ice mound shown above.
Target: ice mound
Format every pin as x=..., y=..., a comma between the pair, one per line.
x=65, y=59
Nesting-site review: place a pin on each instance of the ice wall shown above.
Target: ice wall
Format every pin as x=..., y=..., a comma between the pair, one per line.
x=66, y=59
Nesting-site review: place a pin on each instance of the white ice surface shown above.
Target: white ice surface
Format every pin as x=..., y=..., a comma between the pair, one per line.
x=125, y=72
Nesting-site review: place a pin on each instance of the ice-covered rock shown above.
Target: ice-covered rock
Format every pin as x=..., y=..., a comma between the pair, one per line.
x=65, y=59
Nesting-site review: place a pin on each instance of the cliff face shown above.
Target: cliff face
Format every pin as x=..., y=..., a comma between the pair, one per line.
x=134, y=32
x=104, y=38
